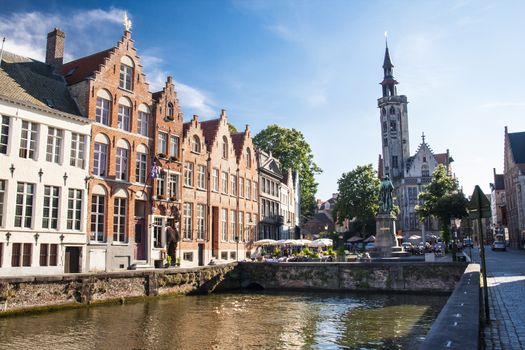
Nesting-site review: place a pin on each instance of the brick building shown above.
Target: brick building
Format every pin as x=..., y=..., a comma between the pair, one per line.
x=111, y=90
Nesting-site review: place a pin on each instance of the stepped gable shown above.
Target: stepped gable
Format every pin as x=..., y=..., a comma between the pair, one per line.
x=85, y=67
x=33, y=83
x=209, y=130
x=238, y=143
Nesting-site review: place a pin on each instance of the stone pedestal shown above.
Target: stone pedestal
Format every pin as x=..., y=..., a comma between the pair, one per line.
x=385, y=235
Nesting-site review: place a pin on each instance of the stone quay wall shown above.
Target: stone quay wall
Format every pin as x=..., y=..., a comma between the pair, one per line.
x=407, y=277
x=40, y=293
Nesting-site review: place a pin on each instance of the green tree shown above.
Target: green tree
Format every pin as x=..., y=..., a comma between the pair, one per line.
x=443, y=200
x=232, y=128
x=358, y=198
x=291, y=149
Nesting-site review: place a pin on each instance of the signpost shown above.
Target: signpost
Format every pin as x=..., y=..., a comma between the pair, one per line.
x=479, y=207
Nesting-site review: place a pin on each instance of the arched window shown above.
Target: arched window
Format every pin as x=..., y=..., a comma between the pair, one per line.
x=392, y=110
x=383, y=111
x=126, y=73
x=248, y=158
x=103, y=110
x=393, y=126
x=196, y=144
x=169, y=111
x=384, y=127
x=224, y=147
x=425, y=172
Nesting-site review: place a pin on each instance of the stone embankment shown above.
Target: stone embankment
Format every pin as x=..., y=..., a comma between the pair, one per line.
x=406, y=277
x=40, y=293
x=20, y=294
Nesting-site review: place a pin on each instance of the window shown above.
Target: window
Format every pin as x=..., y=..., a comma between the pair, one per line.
x=54, y=144
x=393, y=126
x=51, y=200
x=201, y=209
x=240, y=234
x=248, y=222
x=124, y=117
x=188, y=213
x=78, y=144
x=241, y=187
x=188, y=174
x=425, y=172
x=394, y=162
x=233, y=185
x=4, y=134
x=248, y=158
x=174, y=185
x=187, y=256
x=98, y=209
x=21, y=254
x=385, y=126
x=169, y=111
x=215, y=179
x=392, y=110
x=224, y=147
x=161, y=185
x=48, y=254
x=24, y=204
x=224, y=224
x=100, y=159
x=122, y=163
x=74, y=209
x=162, y=143
x=383, y=111
x=143, y=123
x=119, y=220
x=140, y=170
x=157, y=232
x=126, y=77
x=232, y=224
x=248, y=189
x=195, y=144
x=174, y=147
x=224, y=255
x=2, y=199
x=103, y=111
x=28, y=140
x=1, y=253
x=201, y=176
x=254, y=197
x=224, y=180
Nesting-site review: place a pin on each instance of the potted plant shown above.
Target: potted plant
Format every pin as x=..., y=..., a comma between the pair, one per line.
x=173, y=159
x=161, y=155
x=173, y=198
x=161, y=196
x=168, y=261
x=177, y=261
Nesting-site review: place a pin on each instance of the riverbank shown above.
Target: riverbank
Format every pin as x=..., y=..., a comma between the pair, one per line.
x=43, y=293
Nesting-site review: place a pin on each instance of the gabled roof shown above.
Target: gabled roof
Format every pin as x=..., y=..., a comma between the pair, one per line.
x=209, y=129
x=238, y=142
x=441, y=158
x=517, y=146
x=85, y=67
x=33, y=82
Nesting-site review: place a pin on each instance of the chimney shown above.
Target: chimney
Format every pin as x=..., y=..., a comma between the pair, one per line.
x=55, y=49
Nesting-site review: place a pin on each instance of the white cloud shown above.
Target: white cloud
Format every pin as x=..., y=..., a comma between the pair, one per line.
x=90, y=17
x=283, y=32
x=194, y=100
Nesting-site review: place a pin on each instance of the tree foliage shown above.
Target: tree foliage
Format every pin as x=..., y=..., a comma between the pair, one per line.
x=232, y=128
x=443, y=200
x=292, y=150
x=358, y=198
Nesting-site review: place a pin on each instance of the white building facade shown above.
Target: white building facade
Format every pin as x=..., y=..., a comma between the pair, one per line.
x=44, y=151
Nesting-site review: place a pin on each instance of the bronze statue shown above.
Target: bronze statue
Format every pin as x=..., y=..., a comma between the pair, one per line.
x=386, y=203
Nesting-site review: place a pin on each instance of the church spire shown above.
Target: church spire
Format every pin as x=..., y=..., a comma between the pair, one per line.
x=388, y=83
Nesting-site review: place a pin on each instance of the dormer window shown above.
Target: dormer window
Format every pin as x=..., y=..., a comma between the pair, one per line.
x=126, y=73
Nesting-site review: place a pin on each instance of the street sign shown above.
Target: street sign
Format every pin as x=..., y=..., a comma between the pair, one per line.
x=479, y=205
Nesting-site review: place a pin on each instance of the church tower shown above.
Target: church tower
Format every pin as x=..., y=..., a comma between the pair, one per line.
x=394, y=124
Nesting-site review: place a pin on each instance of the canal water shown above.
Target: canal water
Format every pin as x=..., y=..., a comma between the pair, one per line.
x=254, y=320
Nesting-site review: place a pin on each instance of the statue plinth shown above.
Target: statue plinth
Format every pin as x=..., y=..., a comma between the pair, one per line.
x=385, y=235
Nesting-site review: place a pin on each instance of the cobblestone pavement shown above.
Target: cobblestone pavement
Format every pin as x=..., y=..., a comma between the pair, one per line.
x=506, y=281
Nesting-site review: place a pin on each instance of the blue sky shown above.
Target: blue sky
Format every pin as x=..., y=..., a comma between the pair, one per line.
x=315, y=66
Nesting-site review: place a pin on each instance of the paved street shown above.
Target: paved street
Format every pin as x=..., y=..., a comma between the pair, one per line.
x=506, y=280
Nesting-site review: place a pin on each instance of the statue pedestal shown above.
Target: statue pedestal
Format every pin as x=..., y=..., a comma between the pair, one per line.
x=385, y=235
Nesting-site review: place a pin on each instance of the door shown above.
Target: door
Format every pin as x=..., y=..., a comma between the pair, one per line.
x=72, y=260
x=201, y=254
x=140, y=231
x=215, y=232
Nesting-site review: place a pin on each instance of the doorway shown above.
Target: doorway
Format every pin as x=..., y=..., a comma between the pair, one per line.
x=140, y=232
x=201, y=254
x=72, y=260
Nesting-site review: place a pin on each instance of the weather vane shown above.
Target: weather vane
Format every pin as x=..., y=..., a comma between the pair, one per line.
x=126, y=22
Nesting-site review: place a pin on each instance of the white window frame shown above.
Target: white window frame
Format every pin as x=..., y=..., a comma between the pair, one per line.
x=74, y=209
x=24, y=205
x=120, y=220
x=50, y=207
x=78, y=150
x=174, y=146
x=124, y=118
x=188, y=216
x=201, y=210
x=100, y=159
x=122, y=163
x=54, y=145
x=98, y=218
x=141, y=165
x=188, y=174
x=233, y=228
x=215, y=179
x=126, y=77
x=143, y=123
x=233, y=185
x=224, y=224
x=28, y=140
x=103, y=111
x=4, y=134
x=201, y=176
x=162, y=143
x=224, y=182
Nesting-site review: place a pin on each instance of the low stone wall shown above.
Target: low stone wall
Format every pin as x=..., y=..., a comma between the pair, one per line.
x=18, y=294
x=458, y=324
x=375, y=276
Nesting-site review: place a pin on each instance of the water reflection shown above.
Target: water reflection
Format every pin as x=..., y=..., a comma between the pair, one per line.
x=233, y=321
